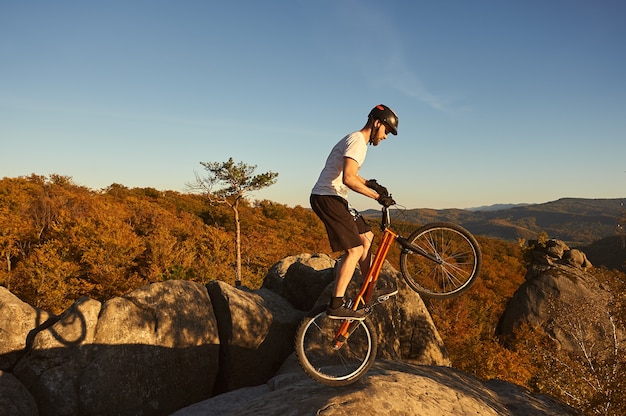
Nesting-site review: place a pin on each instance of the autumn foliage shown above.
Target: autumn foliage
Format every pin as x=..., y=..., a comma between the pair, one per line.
x=60, y=241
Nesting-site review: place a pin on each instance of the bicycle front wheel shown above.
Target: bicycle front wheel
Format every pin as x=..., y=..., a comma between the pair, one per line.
x=323, y=361
x=458, y=260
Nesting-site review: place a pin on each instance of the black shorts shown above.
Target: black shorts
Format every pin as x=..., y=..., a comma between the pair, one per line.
x=343, y=226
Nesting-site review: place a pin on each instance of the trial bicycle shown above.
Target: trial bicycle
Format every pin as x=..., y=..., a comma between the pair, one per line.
x=438, y=260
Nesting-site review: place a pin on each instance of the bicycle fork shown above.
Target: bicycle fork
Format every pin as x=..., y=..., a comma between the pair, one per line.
x=367, y=289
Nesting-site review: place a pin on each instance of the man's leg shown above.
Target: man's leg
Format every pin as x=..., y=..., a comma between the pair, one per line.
x=384, y=286
x=366, y=257
x=343, y=275
x=348, y=262
x=344, y=272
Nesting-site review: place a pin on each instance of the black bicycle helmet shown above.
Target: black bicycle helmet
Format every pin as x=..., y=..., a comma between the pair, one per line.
x=386, y=115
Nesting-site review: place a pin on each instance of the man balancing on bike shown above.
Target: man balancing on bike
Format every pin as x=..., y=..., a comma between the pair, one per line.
x=347, y=230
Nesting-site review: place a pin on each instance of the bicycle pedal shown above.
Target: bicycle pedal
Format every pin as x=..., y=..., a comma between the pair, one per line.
x=377, y=301
x=386, y=296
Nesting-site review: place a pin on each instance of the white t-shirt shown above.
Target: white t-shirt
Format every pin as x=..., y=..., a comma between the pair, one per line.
x=330, y=181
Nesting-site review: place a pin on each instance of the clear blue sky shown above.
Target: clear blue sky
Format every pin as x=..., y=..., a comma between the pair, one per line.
x=498, y=101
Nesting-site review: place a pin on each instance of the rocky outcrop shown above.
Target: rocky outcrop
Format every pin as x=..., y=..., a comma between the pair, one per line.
x=555, y=252
x=301, y=279
x=15, y=399
x=170, y=345
x=17, y=321
x=150, y=352
x=557, y=285
x=256, y=332
x=408, y=332
x=390, y=388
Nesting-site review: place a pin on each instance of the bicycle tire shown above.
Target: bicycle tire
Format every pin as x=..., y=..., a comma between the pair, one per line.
x=329, y=366
x=460, y=261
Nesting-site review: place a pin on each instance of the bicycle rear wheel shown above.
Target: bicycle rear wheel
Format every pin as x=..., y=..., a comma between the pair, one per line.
x=324, y=363
x=459, y=260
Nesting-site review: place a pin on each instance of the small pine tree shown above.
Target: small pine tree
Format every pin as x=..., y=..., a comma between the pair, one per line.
x=234, y=181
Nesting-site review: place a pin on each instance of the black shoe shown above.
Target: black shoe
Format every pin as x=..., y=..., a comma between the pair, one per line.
x=345, y=313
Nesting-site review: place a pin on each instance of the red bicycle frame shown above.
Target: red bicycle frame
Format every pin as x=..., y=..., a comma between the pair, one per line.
x=368, y=286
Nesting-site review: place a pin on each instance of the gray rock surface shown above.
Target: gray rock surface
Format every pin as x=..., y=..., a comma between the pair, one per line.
x=150, y=352
x=15, y=399
x=174, y=344
x=17, y=321
x=406, y=330
x=256, y=331
x=557, y=284
x=390, y=388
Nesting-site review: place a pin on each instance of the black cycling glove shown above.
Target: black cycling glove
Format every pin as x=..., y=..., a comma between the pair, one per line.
x=384, y=198
x=386, y=201
x=380, y=190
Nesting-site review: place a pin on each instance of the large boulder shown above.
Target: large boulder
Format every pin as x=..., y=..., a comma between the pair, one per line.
x=410, y=326
x=52, y=368
x=256, y=331
x=405, y=328
x=558, y=285
x=389, y=388
x=576, y=258
x=18, y=320
x=553, y=252
x=300, y=279
x=152, y=351
x=15, y=399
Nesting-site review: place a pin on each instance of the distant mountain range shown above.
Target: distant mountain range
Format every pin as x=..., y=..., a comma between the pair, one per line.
x=496, y=207
x=576, y=221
